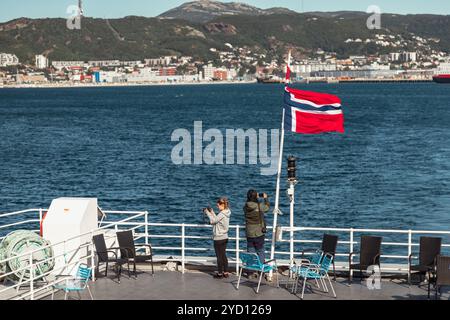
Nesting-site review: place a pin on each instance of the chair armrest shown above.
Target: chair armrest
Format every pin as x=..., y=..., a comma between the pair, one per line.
x=269, y=261
x=350, y=258
x=375, y=259
x=108, y=251
x=410, y=258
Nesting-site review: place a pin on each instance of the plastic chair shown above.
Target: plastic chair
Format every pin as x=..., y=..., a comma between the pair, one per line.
x=251, y=261
x=317, y=272
x=76, y=283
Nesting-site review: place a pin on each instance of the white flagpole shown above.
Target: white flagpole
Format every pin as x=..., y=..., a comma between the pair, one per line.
x=276, y=209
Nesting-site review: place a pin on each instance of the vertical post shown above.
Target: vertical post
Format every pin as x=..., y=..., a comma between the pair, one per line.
x=146, y=227
x=92, y=257
x=237, y=249
x=276, y=209
x=409, y=243
x=183, y=230
x=291, y=225
x=30, y=261
x=351, y=248
x=40, y=216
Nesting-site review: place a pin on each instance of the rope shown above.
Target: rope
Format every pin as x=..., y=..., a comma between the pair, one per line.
x=20, y=242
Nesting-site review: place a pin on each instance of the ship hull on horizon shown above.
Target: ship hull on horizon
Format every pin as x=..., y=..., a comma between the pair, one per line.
x=442, y=78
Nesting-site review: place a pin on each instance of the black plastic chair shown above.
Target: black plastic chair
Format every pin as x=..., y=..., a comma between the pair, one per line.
x=128, y=250
x=369, y=255
x=430, y=248
x=442, y=274
x=329, y=245
x=103, y=254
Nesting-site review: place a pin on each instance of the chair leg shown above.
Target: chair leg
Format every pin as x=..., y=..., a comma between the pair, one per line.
x=331, y=285
x=65, y=295
x=90, y=293
x=153, y=271
x=134, y=269
x=324, y=285
x=53, y=294
x=129, y=273
x=350, y=276
x=278, y=280
x=119, y=272
x=334, y=270
x=259, y=282
x=106, y=270
x=239, y=279
x=304, y=285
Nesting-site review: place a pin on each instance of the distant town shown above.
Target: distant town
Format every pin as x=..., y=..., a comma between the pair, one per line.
x=233, y=65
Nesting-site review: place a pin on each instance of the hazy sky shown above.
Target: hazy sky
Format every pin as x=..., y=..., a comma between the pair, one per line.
x=149, y=8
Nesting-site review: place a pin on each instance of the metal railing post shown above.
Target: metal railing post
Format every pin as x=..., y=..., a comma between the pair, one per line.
x=237, y=249
x=146, y=227
x=409, y=244
x=92, y=257
x=40, y=216
x=351, y=249
x=183, y=234
x=31, y=276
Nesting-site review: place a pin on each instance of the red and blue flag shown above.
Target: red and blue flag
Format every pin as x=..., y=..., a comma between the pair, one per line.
x=310, y=112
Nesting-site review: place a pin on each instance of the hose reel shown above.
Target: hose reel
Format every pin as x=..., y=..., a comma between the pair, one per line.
x=18, y=243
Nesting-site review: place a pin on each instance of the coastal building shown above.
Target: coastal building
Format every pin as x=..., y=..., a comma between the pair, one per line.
x=208, y=72
x=59, y=65
x=104, y=63
x=409, y=56
x=221, y=74
x=8, y=59
x=41, y=62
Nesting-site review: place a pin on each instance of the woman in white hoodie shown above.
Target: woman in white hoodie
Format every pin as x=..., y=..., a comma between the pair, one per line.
x=221, y=223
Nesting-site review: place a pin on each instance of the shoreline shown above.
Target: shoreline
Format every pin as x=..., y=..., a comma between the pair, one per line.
x=70, y=85
x=115, y=85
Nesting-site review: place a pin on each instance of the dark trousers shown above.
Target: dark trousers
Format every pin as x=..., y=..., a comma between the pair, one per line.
x=220, y=246
x=257, y=245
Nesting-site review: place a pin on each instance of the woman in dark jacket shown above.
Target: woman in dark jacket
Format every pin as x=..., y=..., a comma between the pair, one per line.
x=255, y=222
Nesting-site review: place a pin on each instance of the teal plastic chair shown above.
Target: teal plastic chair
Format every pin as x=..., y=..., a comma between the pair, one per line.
x=76, y=283
x=297, y=266
x=251, y=261
x=319, y=273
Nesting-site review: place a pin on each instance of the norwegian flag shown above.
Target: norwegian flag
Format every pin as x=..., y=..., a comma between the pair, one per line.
x=312, y=112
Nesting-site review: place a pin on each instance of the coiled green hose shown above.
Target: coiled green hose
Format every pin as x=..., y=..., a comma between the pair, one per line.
x=20, y=242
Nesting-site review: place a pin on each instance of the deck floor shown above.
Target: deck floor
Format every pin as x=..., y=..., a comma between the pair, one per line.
x=202, y=286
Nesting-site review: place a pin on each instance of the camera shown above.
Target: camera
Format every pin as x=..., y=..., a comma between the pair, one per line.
x=206, y=209
x=261, y=195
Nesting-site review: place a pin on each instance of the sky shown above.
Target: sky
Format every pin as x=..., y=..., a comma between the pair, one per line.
x=119, y=8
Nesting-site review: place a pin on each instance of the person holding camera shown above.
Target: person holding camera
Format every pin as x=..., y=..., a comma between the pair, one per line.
x=221, y=223
x=255, y=224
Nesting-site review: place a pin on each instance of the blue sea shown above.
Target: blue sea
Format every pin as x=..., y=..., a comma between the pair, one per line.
x=391, y=169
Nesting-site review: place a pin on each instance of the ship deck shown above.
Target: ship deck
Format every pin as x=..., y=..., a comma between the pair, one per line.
x=195, y=285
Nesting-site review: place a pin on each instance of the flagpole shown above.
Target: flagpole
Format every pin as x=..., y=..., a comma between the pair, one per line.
x=276, y=209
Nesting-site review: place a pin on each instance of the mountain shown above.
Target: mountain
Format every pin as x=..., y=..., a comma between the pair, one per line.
x=205, y=10
x=136, y=38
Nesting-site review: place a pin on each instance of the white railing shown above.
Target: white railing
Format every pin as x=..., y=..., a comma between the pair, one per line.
x=156, y=233
x=13, y=292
